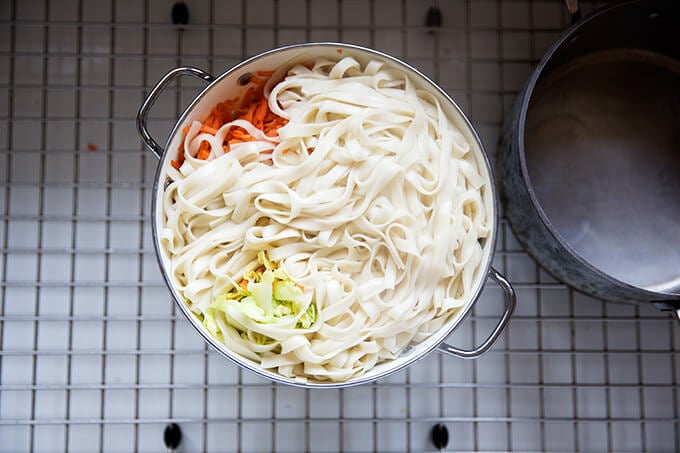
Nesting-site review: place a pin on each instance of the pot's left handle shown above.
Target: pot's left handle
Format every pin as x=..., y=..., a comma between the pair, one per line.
x=510, y=303
x=153, y=95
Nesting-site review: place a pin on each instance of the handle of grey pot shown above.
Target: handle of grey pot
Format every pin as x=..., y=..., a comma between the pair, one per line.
x=510, y=302
x=669, y=306
x=574, y=10
x=151, y=100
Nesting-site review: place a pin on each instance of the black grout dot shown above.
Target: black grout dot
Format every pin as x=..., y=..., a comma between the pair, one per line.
x=172, y=436
x=434, y=17
x=180, y=13
x=440, y=436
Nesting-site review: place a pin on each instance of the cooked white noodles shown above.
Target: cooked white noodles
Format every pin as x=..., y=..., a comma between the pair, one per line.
x=371, y=200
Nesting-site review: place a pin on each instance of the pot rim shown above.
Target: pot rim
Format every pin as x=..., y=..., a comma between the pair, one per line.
x=484, y=268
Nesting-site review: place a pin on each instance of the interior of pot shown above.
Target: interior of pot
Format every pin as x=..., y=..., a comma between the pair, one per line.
x=600, y=143
x=229, y=85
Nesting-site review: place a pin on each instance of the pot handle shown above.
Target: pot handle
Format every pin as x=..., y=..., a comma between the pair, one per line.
x=510, y=303
x=153, y=95
x=669, y=306
x=574, y=10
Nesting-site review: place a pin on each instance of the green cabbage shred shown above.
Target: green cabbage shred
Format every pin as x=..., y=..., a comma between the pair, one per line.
x=270, y=296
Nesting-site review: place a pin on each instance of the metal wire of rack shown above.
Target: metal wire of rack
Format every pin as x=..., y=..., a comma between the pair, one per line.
x=92, y=353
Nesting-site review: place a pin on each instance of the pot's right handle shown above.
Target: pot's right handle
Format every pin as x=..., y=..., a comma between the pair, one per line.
x=153, y=95
x=510, y=303
x=669, y=306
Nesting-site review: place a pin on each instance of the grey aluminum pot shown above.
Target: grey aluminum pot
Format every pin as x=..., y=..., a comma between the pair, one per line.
x=232, y=83
x=589, y=161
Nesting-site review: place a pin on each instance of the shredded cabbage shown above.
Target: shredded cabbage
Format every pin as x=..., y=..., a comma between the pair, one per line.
x=269, y=297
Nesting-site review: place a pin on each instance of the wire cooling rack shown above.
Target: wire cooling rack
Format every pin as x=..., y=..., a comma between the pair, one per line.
x=93, y=355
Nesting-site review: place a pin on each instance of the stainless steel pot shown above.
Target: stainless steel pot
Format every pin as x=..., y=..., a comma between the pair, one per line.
x=590, y=162
x=230, y=84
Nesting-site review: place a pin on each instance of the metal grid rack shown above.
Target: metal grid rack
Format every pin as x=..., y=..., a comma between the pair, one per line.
x=92, y=353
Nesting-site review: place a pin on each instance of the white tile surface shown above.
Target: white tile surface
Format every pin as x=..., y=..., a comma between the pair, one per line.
x=118, y=437
x=50, y=404
x=358, y=436
x=99, y=12
x=325, y=437
x=260, y=12
x=82, y=436
x=323, y=13
x=256, y=436
x=228, y=12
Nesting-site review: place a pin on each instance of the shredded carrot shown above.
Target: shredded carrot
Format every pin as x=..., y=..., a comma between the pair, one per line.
x=257, y=80
x=261, y=113
x=243, y=284
x=252, y=107
x=208, y=130
x=203, y=150
x=248, y=96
